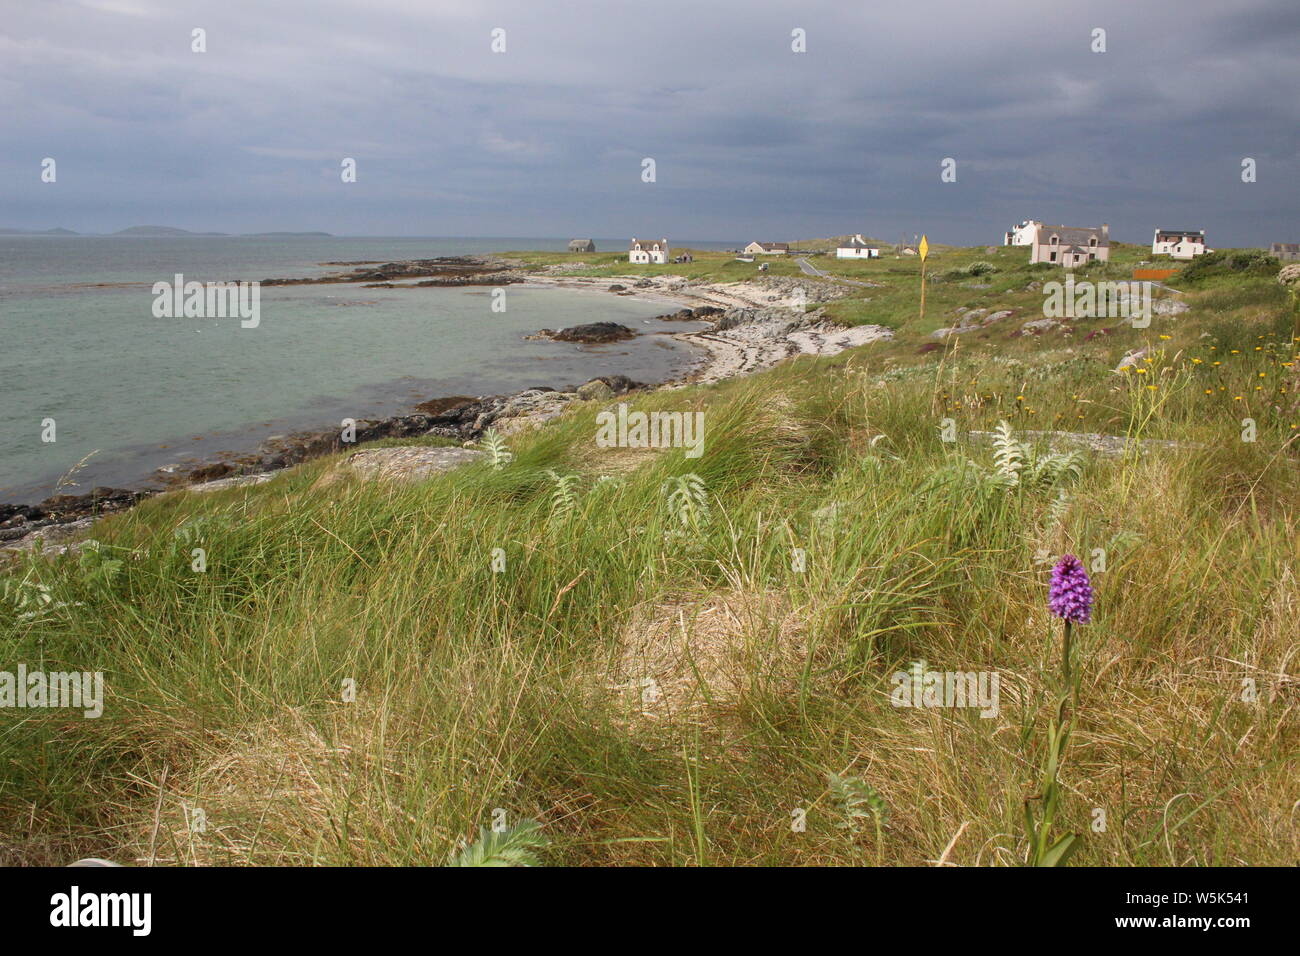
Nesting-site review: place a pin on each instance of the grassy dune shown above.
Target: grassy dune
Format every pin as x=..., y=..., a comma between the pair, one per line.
x=653, y=680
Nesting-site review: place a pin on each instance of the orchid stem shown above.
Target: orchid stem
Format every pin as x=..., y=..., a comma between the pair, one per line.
x=1065, y=653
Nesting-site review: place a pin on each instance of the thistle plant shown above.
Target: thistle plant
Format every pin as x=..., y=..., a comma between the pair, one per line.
x=515, y=846
x=33, y=600
x=687, y=500
x=564, y=499
x=857, y=800
x=1016, y=463
x=1008, y=454
x=498, y=454
x=1058, y=509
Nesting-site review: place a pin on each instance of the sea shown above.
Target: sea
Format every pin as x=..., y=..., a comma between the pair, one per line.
x=127, y=397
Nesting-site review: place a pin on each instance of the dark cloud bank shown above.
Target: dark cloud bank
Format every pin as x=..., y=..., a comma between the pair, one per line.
x=750, y=139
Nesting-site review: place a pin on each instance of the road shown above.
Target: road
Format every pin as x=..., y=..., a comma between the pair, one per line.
x=809, y=269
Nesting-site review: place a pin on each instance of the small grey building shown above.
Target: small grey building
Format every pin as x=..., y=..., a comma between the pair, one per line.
x=1286, y=251
x=581, y=245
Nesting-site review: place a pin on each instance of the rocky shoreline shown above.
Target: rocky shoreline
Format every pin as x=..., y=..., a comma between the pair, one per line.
x=443, y=271
x=752, y=325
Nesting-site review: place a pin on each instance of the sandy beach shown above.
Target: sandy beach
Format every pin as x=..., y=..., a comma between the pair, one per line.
x=763, y=321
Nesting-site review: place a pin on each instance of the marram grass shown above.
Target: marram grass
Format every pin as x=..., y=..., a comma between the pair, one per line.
x=679, y=654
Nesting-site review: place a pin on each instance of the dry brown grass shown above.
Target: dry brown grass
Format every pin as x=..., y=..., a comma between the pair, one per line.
x=680, y=656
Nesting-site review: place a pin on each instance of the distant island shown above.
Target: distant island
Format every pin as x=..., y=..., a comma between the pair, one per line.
x=162, y=232
x=34, y=232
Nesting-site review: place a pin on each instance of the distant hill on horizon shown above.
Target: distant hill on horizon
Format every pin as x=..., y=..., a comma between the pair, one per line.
x=37, y=232
x=156, y=232
x=162, y=232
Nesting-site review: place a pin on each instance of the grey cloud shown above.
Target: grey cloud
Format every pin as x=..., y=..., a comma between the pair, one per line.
x=749, y=137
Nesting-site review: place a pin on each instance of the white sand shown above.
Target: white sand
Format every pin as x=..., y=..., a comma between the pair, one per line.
x=750, y=346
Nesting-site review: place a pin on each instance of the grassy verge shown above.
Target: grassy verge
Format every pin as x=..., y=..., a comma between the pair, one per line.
x=662, y=658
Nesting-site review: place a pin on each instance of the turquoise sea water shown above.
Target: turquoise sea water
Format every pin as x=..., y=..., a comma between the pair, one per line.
x=79, y=344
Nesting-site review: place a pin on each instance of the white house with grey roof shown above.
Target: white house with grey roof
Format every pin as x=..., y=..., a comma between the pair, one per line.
x=1070, y=246
x=1179, y=243
x=856, y=248
x=646, y=251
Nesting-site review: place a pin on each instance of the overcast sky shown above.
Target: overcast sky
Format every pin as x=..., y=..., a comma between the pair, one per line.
x=750, y=139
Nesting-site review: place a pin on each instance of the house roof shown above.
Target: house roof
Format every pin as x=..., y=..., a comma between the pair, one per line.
x=1286, y=246
x=648, y=243
x=1190, y=233
x=1071, y=235
x=854, y=244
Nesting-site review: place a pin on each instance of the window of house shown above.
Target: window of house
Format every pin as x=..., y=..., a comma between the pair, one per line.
x=1053, y=257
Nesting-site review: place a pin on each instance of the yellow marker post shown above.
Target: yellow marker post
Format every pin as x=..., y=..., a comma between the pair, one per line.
x=924, y=250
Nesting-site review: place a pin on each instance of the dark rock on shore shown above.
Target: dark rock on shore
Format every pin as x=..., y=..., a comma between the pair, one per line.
x=486, y=278
x=17, y=514
x=18, y=521
x=437, y=406
x=447, y=270
x=212, y=472
x=620, y=383
x=691, y=315
x=593, y=333
x=96, y=501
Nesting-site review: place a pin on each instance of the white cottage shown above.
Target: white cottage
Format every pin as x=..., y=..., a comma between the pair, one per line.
x=856, y=248
x=1023, y=234
x=647, y=251
x=1179, y=243
x=767, y=248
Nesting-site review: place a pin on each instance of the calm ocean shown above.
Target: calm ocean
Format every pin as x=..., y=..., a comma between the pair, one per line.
x=81, y=346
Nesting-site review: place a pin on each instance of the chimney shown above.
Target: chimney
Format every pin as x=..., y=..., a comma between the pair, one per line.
x=1105, y=231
